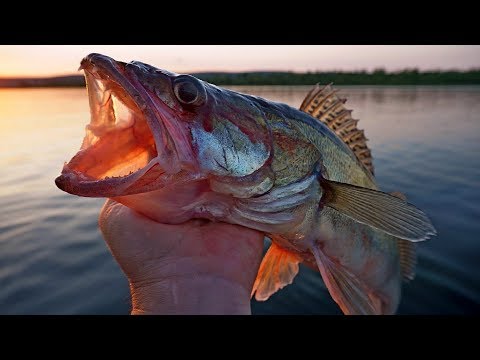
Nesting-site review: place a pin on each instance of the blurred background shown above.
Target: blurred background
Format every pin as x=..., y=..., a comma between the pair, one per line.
x=419, y=107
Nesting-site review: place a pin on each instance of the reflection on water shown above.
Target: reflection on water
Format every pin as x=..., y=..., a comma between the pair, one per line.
x=425, y=143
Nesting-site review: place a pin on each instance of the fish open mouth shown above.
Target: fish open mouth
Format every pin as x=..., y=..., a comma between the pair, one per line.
x=119, y=147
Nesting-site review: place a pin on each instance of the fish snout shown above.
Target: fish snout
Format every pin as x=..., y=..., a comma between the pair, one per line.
x=94, y=59
x=61, y=182
x=66, y=182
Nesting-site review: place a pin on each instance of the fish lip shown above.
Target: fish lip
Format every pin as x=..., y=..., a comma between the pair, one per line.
x=105, y=68
x=75, y=183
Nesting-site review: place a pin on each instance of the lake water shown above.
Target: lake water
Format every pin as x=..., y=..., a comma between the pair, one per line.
x=53, y=260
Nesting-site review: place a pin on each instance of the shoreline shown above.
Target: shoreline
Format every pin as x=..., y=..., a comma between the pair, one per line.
x=378, y=77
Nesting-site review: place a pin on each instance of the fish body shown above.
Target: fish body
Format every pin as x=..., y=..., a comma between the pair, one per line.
x=173, y=147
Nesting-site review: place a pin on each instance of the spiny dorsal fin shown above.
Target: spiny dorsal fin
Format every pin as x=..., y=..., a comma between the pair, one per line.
x=326, y=106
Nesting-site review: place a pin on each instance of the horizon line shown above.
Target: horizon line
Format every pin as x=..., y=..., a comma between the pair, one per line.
x=266, y=71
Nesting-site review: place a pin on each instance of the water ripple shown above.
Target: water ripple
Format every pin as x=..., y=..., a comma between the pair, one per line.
x=53, y=260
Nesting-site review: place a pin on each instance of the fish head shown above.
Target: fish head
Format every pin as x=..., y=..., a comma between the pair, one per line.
x=151, y=127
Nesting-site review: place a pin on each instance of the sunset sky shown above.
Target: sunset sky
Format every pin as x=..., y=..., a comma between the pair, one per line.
x=26, y=60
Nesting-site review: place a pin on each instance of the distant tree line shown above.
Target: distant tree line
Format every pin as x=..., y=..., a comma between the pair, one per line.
x=376, y=77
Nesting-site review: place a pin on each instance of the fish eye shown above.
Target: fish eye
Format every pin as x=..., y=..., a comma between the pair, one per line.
x=188, y=90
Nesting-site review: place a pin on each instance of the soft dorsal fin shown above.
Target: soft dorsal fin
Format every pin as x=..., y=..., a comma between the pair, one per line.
x=407, y=250
x=326, y=106
x=408, y=258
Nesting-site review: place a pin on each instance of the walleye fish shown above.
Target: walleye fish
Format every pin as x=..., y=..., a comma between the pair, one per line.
x=174, y=147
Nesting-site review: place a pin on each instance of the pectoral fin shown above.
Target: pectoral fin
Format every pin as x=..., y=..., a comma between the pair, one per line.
x=380, y=210
x=277, y=270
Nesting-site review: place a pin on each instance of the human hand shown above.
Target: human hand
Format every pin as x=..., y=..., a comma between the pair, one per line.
x=197, y=267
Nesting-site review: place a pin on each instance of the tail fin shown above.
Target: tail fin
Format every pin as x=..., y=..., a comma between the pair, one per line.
x=326, y=106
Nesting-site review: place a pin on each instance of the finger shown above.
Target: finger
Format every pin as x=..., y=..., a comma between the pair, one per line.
x=106, y=213
x=117, y=221
x=126, y=230
x=134, y=238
